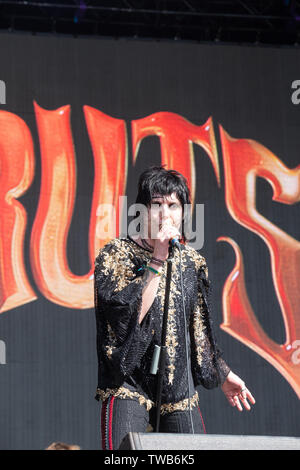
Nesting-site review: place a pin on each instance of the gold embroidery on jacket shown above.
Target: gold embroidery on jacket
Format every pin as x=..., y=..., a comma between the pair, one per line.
x=112, y=341
x=198, y=259
x=182, y=405
x=171, y=337
x=111, y=335
x=109, y=351
x=198, y=334
x=120, y=268
x=124, y=393
x=198, y=326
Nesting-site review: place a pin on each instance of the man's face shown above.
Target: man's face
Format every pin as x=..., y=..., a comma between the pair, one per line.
x=164, y=210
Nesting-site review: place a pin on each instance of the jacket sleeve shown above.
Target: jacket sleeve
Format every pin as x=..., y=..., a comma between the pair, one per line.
x=121, y=340
x=208, y=367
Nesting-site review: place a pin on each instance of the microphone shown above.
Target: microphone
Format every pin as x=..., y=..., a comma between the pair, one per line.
x=175, y=242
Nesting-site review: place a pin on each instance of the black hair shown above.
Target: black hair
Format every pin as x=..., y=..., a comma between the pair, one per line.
x=156, y=180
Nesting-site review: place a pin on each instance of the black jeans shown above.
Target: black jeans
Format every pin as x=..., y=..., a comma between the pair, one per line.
x=120, y=416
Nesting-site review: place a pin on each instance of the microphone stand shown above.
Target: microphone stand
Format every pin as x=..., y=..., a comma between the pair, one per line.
x=163, y=349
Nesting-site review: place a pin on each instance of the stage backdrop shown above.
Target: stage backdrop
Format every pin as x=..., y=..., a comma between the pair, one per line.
x=79, y=121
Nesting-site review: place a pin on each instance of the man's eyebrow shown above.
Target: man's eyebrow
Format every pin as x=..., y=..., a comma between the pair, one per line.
x=168, y=201
x=164, y=197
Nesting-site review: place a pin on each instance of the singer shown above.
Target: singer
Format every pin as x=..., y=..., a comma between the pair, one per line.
x=130, y=279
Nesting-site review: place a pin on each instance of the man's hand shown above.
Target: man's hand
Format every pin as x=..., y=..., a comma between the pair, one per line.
x=235, y=391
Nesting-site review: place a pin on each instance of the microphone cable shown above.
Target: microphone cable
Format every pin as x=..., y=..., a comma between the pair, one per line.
x=186, y=341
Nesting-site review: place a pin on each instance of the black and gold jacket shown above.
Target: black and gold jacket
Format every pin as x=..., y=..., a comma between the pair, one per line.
x=125, y=347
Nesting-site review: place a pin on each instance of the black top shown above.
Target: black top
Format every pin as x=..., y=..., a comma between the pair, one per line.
x=125, y=347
